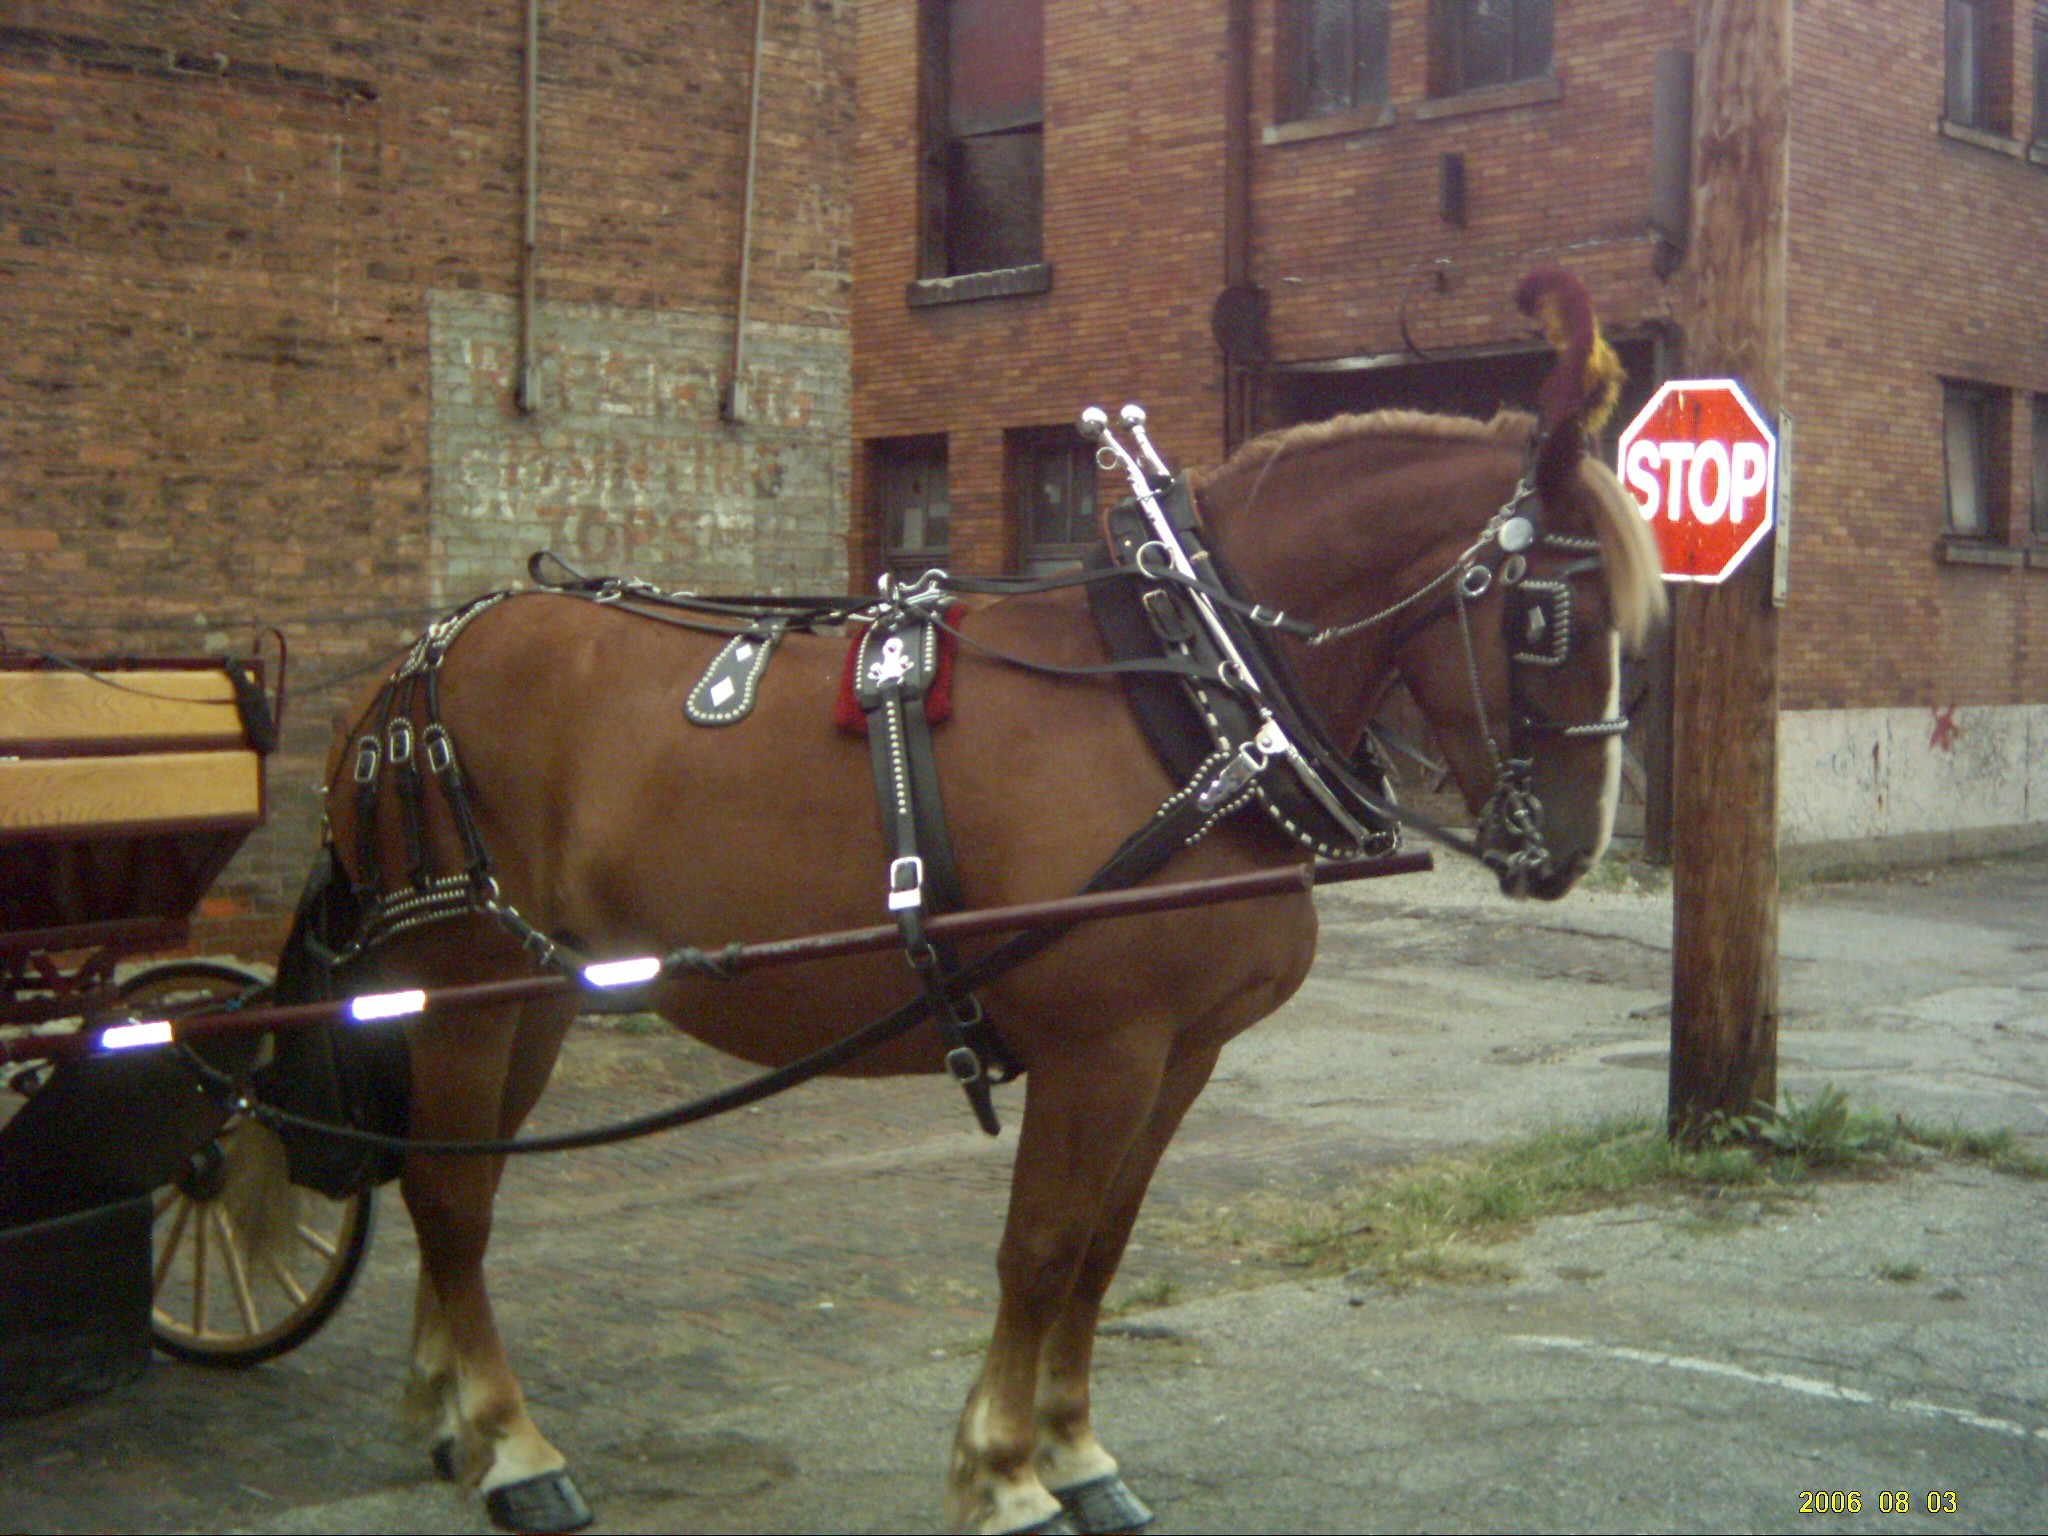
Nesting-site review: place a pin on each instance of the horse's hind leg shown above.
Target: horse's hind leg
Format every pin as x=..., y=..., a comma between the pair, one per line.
x=471, y=1076
x=1071, y=1461
x=1081, y=1116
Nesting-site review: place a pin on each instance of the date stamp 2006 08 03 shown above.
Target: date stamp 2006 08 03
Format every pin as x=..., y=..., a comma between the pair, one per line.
x=1889, y=1501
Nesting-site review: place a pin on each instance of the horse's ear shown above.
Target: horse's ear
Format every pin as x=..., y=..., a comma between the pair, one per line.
x=1578, y=396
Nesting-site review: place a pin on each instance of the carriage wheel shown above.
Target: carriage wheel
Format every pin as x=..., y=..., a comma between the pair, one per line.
x=226, y=1294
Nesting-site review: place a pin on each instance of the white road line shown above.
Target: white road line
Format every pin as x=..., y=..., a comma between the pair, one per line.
x=1806, y=1386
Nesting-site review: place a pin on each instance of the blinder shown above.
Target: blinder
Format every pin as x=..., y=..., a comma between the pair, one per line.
x=1537, y=630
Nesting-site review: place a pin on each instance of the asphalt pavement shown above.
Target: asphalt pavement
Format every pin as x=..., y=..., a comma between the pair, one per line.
x=768, y=1323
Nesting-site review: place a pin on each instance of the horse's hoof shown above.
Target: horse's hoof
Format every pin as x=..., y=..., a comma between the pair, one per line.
x=541, y=1504
x=442, y=1454
x=1054, y=1524
x=1102, y=1505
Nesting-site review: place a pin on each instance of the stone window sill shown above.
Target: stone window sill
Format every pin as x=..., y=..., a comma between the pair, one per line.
x=2037, y=152
x=2037, y=557
x=1997, y=143
x=1004, y=282
x=1365, y=120
x=1954, y=549
x=1494, y=98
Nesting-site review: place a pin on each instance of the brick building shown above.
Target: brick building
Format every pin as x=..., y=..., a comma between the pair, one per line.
x=261, y=266
x=1060, y=202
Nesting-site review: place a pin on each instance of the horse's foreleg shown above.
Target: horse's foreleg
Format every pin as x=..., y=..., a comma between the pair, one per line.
x=1071, y=1461
x=467, y=1078
x=1081, y=1114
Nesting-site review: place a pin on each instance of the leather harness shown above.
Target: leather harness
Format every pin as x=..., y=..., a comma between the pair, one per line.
x=1189, y=645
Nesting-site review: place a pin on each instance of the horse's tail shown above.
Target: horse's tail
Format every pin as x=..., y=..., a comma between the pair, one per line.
x=1587, y=379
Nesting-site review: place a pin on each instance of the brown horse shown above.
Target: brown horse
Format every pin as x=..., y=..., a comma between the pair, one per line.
x=608, y=816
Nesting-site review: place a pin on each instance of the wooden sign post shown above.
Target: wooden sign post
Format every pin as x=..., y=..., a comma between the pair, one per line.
x=1724, y=969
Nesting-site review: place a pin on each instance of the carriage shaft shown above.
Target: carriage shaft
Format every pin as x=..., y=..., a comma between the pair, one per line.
x=1060, y=912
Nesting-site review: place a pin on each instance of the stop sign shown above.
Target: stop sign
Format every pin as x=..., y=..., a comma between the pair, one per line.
x=1703, y=465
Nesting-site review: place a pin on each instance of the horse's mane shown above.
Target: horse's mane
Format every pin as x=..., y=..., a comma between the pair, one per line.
x=1628, y=551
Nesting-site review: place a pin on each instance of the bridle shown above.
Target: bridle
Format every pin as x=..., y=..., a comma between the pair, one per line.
x=1537, y=631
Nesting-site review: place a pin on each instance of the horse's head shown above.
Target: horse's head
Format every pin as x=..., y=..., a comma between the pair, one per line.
x=1495, y=566
x=1521, y=674
x=1520, y=671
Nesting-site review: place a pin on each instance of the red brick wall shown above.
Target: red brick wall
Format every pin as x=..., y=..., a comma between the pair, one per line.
x=1347, y=228
x=1913, y=256
x=220, y=228
x=1133, y=211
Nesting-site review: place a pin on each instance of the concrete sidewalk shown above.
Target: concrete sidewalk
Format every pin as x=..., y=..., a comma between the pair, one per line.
x=767, y=1323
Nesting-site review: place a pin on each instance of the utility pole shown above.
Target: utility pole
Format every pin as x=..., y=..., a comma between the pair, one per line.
x=1724, y=877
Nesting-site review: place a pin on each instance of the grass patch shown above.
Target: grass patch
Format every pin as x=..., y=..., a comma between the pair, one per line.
x=2000, y=1151
x=1158, y=1291
x=1433, y=1221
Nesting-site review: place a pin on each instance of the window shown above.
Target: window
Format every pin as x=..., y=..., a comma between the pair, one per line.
x=2041, y=71
x=909, y=479
x=1969, y=442
x=984, y=135
x=1978, y=58
x=2040, y=508
x=1334, y=55
x=1052, y=487
x=1477, y=43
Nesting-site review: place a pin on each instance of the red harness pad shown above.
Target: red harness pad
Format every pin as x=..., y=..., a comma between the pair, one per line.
x=938, y=699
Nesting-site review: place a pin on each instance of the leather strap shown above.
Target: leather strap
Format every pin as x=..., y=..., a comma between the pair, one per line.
x=894, y=663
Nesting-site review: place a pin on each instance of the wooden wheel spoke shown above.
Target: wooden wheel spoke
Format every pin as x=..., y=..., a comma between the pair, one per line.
x=286, y=1282
x=171, y=1242
x=238, y=1272
x=199, y=1277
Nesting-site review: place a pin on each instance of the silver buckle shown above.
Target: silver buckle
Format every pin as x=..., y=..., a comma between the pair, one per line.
x=1237, y=773
x=906, y=883
x=440, y=751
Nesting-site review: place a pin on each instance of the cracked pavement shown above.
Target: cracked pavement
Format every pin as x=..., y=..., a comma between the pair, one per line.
x=768, y=1322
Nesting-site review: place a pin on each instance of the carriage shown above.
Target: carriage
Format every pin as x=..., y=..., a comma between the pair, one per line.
x=567, y=790
x=125, y=787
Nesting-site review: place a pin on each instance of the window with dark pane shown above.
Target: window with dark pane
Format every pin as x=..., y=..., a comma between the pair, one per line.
x=2039, y=516
x=909, y=480
x=2041, y=72
x=1978, y=46
x=1052, y=478
x=1478, y=43
x=1335, y=53
x=1966, y=458
x=984, y=79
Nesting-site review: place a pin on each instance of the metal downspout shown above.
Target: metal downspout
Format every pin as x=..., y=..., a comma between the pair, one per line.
x=523, y=395
x=732, y=404
x=1239, y=382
